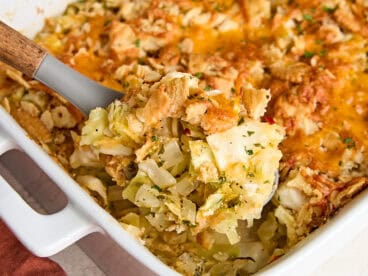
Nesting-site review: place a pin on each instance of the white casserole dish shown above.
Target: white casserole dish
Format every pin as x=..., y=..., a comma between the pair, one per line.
x=47, y=235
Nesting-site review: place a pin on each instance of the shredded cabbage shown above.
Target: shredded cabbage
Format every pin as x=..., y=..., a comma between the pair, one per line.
x=146, y=196
x=239, y=144
x=93, y=184
x=85, y=158
x=228, y=226
x=186, y=184
x=118, y=121
x=159, y=176
x=201, y=153
x=94, y=127
x=172, y=154
x=131, y=190
x=113, y=147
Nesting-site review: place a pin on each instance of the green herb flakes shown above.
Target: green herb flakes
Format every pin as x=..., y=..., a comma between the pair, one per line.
x=199, y=75
x=307, y=17
x=308, y=54
x=323, y=52
x=208, y=88
x=249, y=151
x=349, y=142
x=328, y=9
x=157, y=188
x=137, y=43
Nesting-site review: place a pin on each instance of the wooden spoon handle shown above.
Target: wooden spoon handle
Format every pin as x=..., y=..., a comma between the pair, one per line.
x=19, y=52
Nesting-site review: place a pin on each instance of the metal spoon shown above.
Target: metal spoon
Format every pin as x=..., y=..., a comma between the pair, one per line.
x=23, y=54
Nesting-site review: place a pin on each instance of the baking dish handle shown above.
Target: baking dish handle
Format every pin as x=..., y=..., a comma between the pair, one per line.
x=6, y=143
x=44, y=235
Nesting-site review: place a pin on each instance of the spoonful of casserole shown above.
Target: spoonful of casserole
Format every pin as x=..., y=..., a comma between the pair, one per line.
x=199, y=162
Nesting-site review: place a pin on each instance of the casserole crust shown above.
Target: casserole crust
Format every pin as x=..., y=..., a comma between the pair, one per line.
x=309, y=56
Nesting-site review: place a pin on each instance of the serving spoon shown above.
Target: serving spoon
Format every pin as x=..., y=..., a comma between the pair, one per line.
x=35, y=62
x=26, y=56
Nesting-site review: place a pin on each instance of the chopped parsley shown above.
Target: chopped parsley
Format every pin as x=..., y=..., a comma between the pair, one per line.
x=241, y=121
x=154, y=138
x=250, y=133
x=137, y=43
x=319, y=42
x=199, y=75
x=323, y=52
x=208, y=88
x=307, y=17
x=328, y=9
x=349, y=142
x=308, y=54
x=258, y=145
x=157, y=188
x=249, y=152
x=233, y=90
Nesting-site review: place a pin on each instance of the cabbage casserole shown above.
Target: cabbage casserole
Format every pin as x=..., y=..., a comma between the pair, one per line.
x=220, y=98
x=191, y=178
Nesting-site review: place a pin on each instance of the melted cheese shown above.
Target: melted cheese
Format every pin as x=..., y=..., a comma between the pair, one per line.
x=207, y=40
x=347, y=114
x=345, y=126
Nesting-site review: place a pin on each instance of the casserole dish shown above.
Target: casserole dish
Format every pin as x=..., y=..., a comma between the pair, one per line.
x=80, y=225
x=47, y=235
